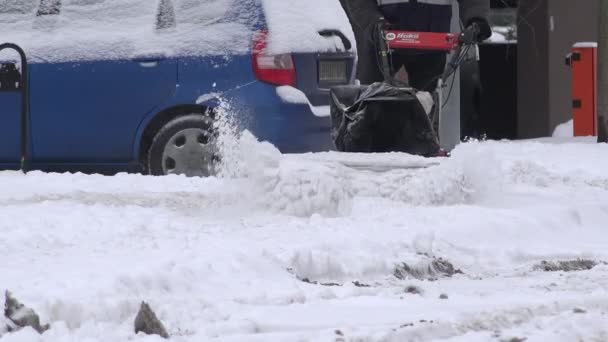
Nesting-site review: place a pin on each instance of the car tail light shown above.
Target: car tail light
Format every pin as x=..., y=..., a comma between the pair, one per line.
x=274, y=69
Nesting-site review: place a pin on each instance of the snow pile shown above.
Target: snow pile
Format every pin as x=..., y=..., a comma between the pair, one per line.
x=339, y=265
x=277, y=183
x=565, y=130
x=366, y=264
x=538, y=164
x=304, y=189
x=497, y=37
x=503, y=34
x=294, y=25
x=415, y=180
x=81, y=29
x=325, y=183
x=446, y=184
x=284, y=186
x=476, y=172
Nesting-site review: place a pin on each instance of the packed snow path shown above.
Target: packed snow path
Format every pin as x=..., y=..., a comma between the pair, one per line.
x=303, y=248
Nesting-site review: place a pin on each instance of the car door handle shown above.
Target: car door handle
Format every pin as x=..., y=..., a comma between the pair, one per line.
x=148, y=61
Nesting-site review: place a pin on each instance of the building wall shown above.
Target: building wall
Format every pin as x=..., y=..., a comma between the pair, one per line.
x=449, y=130
x=568, y=24
x=532, y=71
x=547, y=29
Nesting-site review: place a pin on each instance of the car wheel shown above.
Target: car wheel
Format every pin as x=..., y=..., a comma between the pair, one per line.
x=187, y=146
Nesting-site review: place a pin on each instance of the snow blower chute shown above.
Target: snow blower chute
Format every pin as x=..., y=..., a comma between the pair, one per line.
x=389, y=116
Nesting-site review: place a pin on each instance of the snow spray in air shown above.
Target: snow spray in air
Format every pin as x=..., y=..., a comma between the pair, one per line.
x=275, y=182
x=242, y=155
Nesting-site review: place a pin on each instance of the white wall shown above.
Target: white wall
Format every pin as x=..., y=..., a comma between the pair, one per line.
x=450, y=123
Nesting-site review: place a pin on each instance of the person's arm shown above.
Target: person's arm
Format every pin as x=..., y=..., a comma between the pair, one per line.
x=476, y=12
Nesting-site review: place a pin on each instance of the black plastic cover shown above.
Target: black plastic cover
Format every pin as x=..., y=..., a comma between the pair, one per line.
x=380, y=118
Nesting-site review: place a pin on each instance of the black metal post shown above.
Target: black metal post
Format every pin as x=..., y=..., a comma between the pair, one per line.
x=23, y=85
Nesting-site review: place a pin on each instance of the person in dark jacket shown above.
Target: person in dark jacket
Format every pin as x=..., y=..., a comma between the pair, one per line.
x=423, y=68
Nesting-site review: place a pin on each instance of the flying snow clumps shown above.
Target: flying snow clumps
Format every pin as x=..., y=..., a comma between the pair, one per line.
x=277, y=183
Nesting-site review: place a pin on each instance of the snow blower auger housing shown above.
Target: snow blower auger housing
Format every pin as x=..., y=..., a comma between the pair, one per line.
x=389, y=116
x=381, y=118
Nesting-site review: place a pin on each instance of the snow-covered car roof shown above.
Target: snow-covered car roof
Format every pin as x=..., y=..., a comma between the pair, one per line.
x=113, y=29
x=294, y=25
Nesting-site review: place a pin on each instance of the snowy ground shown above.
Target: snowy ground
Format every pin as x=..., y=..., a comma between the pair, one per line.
x=245, y=258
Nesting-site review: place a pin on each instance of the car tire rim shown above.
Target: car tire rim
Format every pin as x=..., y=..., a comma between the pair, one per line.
x=191, y=152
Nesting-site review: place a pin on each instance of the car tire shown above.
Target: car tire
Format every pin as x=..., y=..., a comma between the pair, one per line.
x=186, y=145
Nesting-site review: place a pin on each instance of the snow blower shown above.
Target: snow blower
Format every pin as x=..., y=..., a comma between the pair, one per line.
x=389, y=116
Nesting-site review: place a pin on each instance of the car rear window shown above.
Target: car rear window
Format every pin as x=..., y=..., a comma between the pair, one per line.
x=113, y=29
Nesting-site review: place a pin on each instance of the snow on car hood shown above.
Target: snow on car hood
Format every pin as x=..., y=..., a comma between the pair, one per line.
x=112, y=29
x=294, y=25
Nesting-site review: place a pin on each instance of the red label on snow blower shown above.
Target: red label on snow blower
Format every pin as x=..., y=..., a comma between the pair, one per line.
x=421, y=40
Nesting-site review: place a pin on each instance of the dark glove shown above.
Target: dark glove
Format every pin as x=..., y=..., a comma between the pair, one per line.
x=480, y=28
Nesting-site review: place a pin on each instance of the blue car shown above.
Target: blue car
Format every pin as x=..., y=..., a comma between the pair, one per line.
x=134, y=85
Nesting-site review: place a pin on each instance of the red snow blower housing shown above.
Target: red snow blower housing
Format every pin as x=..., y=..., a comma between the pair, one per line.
x=388, y=116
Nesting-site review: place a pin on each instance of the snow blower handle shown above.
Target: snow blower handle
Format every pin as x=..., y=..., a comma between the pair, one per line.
x=393, y=40
x=421, y=41
x=470, y=35
x=466, y=38
x=384, y=50
x=388, y=40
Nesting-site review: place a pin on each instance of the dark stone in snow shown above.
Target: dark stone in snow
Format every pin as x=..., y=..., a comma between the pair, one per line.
x=566, y=266
x=413, y=289
x=147, y=322
x=436, y=268
x=314, y=282
x=339, y=336
x=21, y=316
x=443, y=296
x=360, y=284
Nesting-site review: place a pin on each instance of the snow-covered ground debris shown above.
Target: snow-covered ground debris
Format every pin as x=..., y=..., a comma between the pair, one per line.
x=312, y=247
